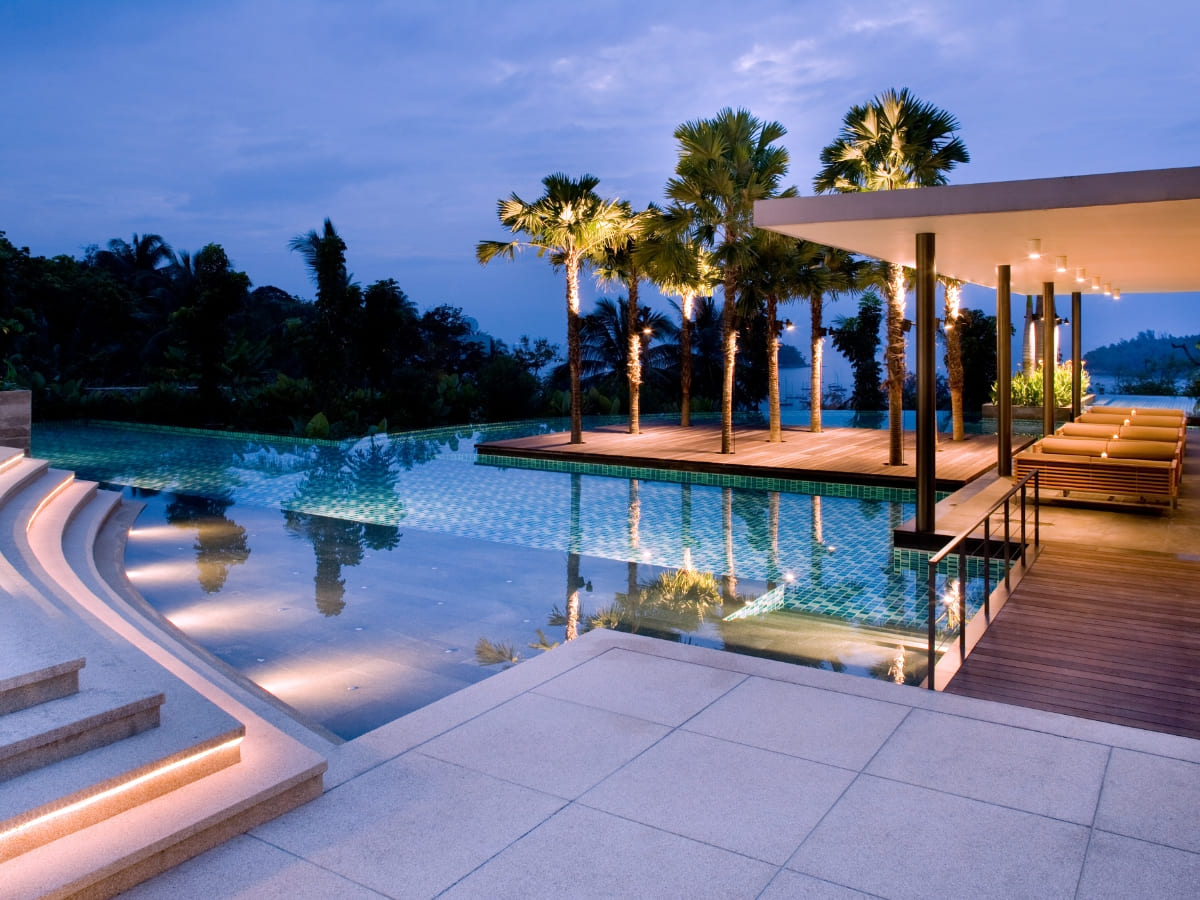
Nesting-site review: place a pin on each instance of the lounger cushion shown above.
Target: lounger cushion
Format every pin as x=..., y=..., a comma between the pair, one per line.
x=1074, y=446
x=1124, y=449
x=1093, y=418
x=1135, y=412
x=1148, y=433
x=1082, y=429
x=1154, y=421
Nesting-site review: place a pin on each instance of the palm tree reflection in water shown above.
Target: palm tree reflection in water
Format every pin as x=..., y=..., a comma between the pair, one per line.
x=220, y=542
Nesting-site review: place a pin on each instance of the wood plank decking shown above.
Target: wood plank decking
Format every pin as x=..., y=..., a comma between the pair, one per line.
x=1098, y=633
x=856, y=455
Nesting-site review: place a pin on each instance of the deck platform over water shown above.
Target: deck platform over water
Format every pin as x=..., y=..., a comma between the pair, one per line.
x=858, y=455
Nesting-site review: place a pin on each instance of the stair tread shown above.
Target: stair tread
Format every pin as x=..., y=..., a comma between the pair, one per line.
x=36, y=726
x=192, y=725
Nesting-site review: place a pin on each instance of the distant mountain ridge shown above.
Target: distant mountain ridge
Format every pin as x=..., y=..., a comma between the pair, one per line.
x=1147, y=351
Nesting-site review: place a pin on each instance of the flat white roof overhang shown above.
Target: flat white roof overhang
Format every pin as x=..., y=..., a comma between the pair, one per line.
x=1138, y=231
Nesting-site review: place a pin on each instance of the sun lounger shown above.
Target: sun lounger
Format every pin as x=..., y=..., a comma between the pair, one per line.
x=1108, y=467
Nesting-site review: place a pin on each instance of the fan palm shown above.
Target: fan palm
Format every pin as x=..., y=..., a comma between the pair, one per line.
x=678, y=267
x=954, y=363
x=835, y=274
x=618, y=263
x=726, y=164
x=571, y=223
x=606, y=346
x=891, y=142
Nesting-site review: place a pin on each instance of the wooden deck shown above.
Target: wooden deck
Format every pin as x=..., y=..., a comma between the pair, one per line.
x=1098, y=633
x=857, y=455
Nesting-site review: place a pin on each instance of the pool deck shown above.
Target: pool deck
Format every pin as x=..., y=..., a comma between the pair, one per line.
x=1106, y=625
x=623, y=766
x=859, y=455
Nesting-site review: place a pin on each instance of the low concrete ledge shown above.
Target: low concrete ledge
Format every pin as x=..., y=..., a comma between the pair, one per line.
x=16, y=416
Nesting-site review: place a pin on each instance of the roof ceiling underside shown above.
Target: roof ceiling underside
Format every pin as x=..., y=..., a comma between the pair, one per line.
x=1138, y=231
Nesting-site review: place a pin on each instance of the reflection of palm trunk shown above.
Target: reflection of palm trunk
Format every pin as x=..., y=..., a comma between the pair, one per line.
x=729, y=579
x=773, y=524
x=574, y=540
x=818, y=539
x=685, y=517
x=635, y=517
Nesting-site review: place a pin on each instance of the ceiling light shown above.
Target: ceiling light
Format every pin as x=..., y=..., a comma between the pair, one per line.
x=1096, y=283
x=1060, y=264
x=1080, y=274
x=1108, y=287
x=1035, y=248
x=1117, y=294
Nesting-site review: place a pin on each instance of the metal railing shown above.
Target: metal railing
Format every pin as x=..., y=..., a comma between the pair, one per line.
x=960, y=543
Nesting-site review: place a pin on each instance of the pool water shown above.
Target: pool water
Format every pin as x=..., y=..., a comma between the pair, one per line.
x=358, y=581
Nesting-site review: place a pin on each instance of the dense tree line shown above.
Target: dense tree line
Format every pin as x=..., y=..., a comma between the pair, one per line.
x=139, y=331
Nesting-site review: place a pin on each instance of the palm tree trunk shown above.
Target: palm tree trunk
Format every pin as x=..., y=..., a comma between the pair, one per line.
x=895, y=364
x=685, y=362
x=1028, y=339
x=574, y=350
x=729, y=346
x=635, y=356
x=817, y=349
x=954, y=365
x=776, y=430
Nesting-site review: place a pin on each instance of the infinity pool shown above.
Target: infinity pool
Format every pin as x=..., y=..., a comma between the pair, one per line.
x=358, y=581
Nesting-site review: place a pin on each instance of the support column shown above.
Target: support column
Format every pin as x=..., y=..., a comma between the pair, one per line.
x=1048, y=357
x=1004, y=370
x=1076, y=355
x=926, y=393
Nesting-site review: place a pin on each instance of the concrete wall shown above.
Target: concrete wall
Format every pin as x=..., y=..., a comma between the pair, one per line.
x=16, y=413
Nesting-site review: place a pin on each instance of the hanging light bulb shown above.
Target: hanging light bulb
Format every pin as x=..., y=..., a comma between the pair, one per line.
x=1081, y=274
x=1035, y=248
x=1060, y=264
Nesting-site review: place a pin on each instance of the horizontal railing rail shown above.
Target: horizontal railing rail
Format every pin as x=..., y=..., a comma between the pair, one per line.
x=959, y=544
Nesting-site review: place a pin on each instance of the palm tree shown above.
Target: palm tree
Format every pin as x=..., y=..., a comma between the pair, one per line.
x=678, y=267
x=893, y=141
x=781, y=269
x=836, y=274
x=619, y=263
x=572, y=223
x=954, y=364
x=339, y=300
x=725, y=164
x=605, y=345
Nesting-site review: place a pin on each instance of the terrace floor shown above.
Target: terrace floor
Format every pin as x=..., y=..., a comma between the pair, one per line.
x=624, y=766
x=859, y=455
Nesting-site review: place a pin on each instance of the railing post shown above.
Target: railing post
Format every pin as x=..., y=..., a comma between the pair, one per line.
x=1037, y=510
x=1024, y=485
x=962, y=601
x=932, y=620
x=987, y=567
x=1007, y=546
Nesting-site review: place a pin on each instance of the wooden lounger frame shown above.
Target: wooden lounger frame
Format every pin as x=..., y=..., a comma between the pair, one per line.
x=1144, y=479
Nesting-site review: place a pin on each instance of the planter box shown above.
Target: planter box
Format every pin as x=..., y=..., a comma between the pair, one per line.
x=16, y=414
x=1061, y=414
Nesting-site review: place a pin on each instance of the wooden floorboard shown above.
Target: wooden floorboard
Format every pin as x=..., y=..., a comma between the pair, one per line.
x=1102, y=634
x=857, y=455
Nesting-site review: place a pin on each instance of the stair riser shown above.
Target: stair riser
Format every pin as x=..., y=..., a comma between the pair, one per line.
x=27, y=695
x=52, y=829
x=99, y=735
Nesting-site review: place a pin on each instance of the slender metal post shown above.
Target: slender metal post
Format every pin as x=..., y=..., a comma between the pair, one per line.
x=1076, y=355
x=1037, y=509
x=1004, y=370
x=962, y=601
x=926, y=395
x=1007, y=544
x=987, y=567
x=932, y=622
x=1023, y=514
x=1049, y=363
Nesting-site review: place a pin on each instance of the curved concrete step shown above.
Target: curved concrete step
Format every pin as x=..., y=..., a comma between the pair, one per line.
x=40, y=735
x=209, y=799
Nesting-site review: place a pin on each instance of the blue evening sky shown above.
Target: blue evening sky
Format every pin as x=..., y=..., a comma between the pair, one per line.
x=246, y=122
